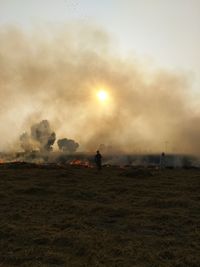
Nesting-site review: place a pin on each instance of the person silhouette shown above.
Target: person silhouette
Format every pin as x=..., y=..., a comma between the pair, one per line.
x=97, y=160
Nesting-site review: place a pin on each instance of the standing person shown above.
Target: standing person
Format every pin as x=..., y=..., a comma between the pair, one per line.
x=97, y=159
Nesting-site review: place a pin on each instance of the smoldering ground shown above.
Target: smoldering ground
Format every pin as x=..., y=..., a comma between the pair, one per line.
x=54, y=74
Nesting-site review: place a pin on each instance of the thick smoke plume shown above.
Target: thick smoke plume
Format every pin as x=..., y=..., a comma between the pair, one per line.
x=42, y=133
x=67, y=145
x=55, y=74
x=41, y=138
x=26, y=142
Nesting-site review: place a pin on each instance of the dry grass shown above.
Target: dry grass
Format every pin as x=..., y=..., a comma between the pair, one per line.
x=78, y=217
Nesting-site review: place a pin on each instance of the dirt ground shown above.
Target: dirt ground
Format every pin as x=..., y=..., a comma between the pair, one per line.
x=71, y=216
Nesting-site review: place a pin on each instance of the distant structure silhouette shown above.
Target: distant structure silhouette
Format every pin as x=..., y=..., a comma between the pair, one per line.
x=162, y=160
x=98, y=159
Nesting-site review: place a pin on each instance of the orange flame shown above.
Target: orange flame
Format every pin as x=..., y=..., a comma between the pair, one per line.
x=82, y=163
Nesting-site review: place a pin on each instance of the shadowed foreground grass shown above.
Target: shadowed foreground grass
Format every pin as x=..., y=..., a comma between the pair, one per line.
x=78, y=217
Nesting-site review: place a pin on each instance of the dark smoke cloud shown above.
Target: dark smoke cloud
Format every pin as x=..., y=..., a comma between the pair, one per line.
x=42, y=133
x=41, y=138
x=54, y=74
x=67, y=145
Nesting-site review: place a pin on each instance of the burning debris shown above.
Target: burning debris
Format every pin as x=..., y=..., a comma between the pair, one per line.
x=67, y=145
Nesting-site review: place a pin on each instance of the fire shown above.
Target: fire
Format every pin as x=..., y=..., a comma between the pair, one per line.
x=1, y=161
x=82, y=163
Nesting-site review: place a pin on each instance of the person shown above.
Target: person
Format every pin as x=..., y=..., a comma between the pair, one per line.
x=97, y=159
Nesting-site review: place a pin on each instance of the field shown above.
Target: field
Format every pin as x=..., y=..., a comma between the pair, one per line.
x=72, y=216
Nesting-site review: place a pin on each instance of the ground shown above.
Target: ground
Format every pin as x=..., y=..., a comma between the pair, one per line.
x=75, y=216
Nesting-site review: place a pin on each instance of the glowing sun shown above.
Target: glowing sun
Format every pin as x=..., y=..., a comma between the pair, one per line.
x=102, y=95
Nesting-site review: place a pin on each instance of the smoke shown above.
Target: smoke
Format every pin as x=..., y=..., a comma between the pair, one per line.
x=42, y=133
x=41, y=138
x=55, y=75
x=67, y=145
x=26, y=142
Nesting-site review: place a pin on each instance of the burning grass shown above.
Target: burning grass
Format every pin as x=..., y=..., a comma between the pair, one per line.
x=55, y=215
x=81, y=163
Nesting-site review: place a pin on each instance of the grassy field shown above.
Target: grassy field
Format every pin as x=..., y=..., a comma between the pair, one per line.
x=73, y=216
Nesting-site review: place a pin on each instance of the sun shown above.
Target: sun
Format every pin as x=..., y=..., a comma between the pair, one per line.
x=102, y=95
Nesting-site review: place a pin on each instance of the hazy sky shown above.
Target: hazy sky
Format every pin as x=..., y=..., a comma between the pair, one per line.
x=56, y=78
x=164, y=32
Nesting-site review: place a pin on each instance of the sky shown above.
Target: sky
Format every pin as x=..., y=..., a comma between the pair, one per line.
x=145, y=53
x=164, y=33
